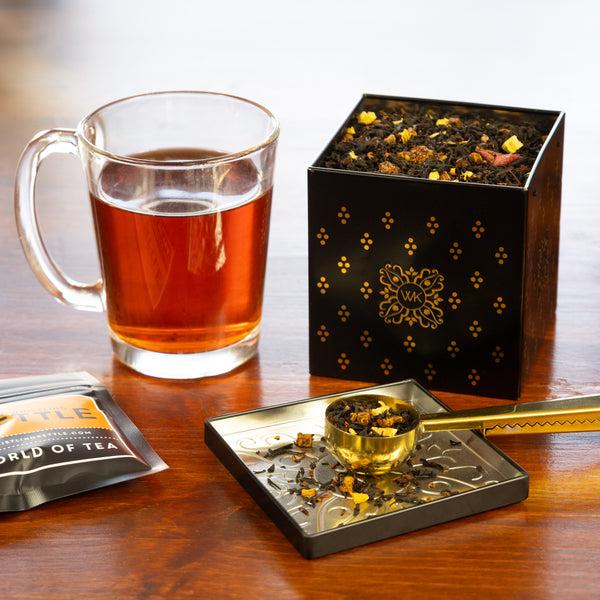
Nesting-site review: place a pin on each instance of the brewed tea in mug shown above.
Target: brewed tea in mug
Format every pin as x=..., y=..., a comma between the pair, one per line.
x=181, y=186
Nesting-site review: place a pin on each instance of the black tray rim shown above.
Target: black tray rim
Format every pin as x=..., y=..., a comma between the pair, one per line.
x=376, y=528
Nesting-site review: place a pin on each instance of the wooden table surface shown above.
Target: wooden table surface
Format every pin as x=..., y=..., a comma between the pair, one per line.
x=192, y=531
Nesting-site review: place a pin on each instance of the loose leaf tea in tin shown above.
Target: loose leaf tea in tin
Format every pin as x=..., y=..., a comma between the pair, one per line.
x=64, y=434
x=430, y=141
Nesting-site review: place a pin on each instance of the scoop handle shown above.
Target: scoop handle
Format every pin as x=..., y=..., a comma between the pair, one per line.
x=581, y=413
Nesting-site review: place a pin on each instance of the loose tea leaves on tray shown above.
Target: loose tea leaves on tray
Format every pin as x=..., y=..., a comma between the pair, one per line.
x=438, y=142
x=370, y=418
x=417, y=483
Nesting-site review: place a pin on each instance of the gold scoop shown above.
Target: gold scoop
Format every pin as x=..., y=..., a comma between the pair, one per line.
x=378, y=455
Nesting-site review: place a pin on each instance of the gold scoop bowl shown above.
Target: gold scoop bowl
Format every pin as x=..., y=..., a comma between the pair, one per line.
x=377, y=455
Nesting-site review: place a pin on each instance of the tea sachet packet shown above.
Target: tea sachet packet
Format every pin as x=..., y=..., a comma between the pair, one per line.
x=64, y=434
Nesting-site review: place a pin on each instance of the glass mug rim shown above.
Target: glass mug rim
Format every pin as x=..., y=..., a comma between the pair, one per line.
x=174, y=163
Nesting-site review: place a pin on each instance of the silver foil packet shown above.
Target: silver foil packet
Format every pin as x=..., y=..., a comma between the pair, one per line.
x=64, y=434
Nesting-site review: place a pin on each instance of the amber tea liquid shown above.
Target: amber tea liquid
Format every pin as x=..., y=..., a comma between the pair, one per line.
x=184, y=269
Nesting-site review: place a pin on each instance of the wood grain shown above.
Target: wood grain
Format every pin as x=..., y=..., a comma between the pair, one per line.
x=193, y=531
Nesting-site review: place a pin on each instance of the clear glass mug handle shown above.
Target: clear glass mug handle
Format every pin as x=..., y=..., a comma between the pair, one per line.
x=79, y=295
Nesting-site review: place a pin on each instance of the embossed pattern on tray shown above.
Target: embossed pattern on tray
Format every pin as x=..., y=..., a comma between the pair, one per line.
x=442, y=466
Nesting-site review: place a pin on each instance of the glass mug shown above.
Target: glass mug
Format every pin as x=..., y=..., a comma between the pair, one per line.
x=180, y=185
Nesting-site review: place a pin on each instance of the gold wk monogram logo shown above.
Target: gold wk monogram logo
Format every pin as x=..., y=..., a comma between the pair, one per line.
x=411, y=296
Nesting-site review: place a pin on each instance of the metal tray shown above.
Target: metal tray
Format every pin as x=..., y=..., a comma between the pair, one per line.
x=450, y=475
